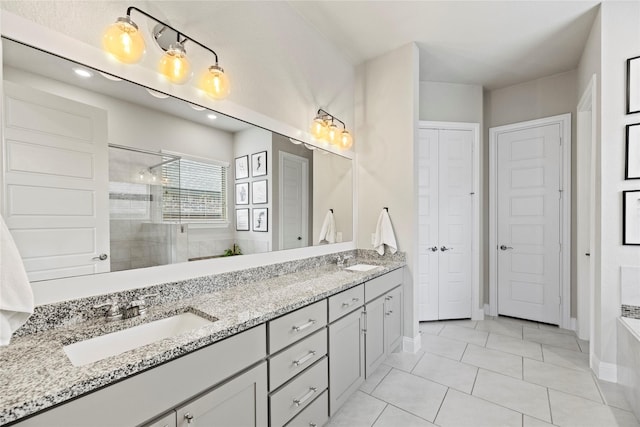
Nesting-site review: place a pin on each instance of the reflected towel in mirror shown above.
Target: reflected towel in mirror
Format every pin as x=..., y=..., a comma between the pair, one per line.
x=16, y=296
x=384, y=234
x=328, y=230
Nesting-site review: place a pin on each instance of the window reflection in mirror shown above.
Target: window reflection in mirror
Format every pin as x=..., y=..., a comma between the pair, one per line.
x=100, y=167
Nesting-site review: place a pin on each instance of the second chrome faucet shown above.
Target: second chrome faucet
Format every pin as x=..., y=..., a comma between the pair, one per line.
x=137, y=307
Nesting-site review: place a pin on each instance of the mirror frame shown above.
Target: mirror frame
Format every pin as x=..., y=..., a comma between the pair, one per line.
x=51, y=291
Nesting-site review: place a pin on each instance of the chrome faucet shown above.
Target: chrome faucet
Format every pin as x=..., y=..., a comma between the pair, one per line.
x=137, y=307
x=341, y=259
x=113, y=312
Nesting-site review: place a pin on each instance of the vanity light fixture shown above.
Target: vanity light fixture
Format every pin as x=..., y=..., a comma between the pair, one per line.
x=324, y=128
x=124, y=41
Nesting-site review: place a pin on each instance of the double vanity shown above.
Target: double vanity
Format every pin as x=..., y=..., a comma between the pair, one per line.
x=278, y=345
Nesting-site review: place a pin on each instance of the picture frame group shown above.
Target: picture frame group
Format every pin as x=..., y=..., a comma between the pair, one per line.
x=258, y=221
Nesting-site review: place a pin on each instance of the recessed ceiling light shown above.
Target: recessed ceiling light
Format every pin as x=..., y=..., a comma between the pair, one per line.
x=82, y=73
x=110, y=77
x=212, y=116
x=157, y=94
x=196, y=107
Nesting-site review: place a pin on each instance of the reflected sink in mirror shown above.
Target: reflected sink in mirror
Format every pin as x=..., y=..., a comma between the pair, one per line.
x=362, y=267
x=88, y=351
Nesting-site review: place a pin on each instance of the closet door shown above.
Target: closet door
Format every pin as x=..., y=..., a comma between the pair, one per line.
x=428, y=249
x=455, y=184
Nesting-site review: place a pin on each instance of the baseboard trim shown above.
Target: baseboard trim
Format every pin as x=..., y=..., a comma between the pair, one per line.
x=478, y=314
x=573, y=322
x=487, y=311
x=603, y=370
x=412, y=345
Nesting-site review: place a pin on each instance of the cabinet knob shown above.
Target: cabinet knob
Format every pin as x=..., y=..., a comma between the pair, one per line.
x=434, y=249
x=188, y=417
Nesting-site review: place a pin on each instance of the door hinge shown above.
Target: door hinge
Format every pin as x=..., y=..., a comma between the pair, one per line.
x=559, y=299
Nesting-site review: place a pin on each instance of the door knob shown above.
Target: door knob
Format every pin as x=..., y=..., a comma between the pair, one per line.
x=434, y=249
x=505, y=247
x=299, y=238
x=100, y=257
x=444, y=249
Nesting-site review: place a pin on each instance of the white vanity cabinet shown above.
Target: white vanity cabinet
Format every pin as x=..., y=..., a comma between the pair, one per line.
x=239, y=402
x=383, y=318
x=142, y=397
x=298, y=366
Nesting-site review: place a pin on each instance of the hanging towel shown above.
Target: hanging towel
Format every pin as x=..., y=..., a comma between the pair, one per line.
x=328, y=230
x=384, y=234
x=16, y=296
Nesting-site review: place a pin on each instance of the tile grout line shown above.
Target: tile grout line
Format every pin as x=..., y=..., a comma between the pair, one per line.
x=380, y=414
x=550, y=410
x=441, y=403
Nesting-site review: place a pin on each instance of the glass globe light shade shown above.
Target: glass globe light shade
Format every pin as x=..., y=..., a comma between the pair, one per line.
x=333, y=134
x=215, y=83
x=174, y=65
x=346, y=140
x=123, y=41
x=319, y=128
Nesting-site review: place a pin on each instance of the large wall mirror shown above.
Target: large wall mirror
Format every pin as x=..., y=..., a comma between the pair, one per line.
x=103, y=175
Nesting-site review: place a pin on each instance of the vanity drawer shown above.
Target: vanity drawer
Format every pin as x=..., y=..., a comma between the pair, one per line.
x=298, y=394
x=291, y=327
x=296, y=358
x=345, y=302
x=316, y=414
x=382, y=284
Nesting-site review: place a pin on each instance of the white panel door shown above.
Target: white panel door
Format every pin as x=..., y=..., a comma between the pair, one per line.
x=428, y=224
x=55, y=198
x=455, y=185
x=528, y=218
x=445, y=183
x=294, y=201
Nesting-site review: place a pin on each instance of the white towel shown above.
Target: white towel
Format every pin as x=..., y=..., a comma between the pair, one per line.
x=16, y=296
x=384, y=234
x=328, y=230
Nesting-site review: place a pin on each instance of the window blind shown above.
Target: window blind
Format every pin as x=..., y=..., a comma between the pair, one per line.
x=194, y=191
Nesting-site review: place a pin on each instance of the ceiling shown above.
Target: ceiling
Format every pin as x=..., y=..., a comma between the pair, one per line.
x=490, y=43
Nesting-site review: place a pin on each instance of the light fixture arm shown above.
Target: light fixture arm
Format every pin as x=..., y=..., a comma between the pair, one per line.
x=323, y=114
x=178, y=33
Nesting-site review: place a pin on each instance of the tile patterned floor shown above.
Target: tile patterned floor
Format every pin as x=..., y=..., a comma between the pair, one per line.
x=495, y=372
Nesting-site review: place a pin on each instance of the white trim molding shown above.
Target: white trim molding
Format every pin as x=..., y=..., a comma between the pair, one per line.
x=477, y=312
x=412, y=345
x=564, y=121
x=603, y=370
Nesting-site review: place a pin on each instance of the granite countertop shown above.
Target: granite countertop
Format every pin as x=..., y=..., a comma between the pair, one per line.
x=37, y=373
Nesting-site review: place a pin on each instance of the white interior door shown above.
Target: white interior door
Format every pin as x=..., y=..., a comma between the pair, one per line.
x=428, y=243
x=55, y=198
x=455, y=185
x=583, y=224
x=528, y=223
x=294, y=201
x=445, y=184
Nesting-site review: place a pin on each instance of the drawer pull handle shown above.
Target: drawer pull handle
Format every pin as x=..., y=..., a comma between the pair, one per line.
x=311, y=392
x=349, y=304
x=188, y=417
x=309, y=324
x=305, y=358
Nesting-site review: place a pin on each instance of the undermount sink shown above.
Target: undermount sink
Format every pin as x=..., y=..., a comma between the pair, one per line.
x=98, y=348
x=362, y=267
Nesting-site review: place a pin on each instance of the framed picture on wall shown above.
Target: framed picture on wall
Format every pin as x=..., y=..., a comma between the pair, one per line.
x=242, y=219
x=633, y=85
x=242, y=167
x=242, y=193
x=260, y=219
x=259, y=192
x=259, y=164
x=631, y=217
x=632, y=152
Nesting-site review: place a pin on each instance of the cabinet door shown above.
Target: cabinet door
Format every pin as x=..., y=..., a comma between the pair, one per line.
x=239, y=402
x=374, y=336
x=393, y=320
x=346, y=358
